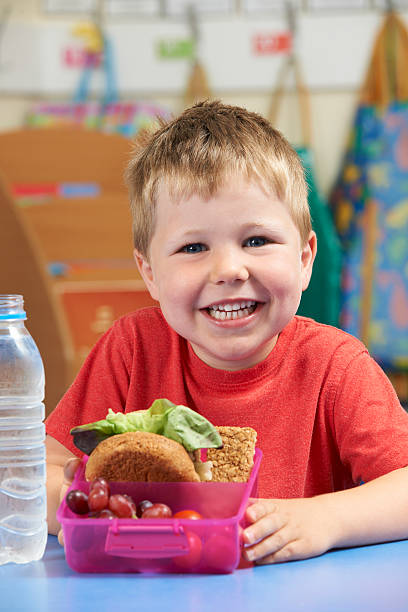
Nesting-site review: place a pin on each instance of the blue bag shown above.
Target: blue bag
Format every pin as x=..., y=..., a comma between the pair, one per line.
x=370, y=203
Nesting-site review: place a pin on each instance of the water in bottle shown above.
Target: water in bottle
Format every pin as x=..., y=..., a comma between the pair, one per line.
x=23, y=508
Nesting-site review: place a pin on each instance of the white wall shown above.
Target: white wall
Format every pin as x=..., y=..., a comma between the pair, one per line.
x=332, y=105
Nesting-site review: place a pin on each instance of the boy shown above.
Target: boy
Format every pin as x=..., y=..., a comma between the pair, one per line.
x=224, y=243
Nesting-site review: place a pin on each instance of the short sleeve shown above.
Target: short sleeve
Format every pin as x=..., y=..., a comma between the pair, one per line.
x=370, y=425
x=102, y=383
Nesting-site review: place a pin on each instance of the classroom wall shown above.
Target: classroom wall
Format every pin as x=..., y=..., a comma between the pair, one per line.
x=331, y=107
x=337, y=43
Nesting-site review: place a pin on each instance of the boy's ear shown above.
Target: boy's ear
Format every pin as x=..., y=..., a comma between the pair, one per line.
x=146, y=273
x=308, y=256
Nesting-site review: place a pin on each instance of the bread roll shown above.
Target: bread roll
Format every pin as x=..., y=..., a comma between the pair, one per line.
x=140, y=456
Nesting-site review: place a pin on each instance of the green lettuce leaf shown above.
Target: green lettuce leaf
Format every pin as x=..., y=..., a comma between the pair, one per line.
x=178, y=423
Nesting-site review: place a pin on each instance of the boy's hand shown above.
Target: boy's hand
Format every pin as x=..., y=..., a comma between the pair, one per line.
x=70, y=468
x=287, y=529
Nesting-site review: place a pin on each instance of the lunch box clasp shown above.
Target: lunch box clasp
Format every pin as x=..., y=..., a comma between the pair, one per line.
x=146, y=541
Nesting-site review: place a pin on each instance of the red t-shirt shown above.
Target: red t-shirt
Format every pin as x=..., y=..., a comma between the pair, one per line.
x=326, y=415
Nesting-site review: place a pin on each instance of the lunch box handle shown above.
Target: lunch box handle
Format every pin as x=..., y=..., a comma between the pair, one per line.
x=146, y=541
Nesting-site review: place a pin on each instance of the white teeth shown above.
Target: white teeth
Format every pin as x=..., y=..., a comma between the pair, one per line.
x=226, y=312
x=235, y=306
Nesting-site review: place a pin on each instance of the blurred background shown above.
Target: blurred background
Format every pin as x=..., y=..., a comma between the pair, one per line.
x=80, y=78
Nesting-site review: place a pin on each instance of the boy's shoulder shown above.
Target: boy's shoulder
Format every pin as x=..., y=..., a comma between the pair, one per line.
x=326, y=337
x=149, y=318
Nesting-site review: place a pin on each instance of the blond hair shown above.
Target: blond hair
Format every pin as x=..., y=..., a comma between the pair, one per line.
x=199, y=151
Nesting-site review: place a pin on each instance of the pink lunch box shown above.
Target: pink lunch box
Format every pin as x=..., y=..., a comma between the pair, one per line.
x=208, y=545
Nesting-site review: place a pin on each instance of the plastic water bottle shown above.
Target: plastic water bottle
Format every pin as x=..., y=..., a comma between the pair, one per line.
x=23, y=507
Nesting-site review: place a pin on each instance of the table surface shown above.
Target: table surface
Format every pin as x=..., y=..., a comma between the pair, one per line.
x=372, y=578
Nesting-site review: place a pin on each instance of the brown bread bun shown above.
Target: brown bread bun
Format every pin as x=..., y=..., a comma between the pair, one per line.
x=140, y=456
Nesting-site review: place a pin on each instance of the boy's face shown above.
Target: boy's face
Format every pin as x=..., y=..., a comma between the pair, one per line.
x=228, y=272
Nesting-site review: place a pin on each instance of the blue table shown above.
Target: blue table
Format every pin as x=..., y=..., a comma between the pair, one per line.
x=371, y=578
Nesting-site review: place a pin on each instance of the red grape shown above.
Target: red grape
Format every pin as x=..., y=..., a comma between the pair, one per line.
x=131, y=502
x=100, y=483
x=77, y=501
x=106, y=513
x=141, y=507
x=93, y=514
x=98, y=499
x=157, y=511
x=120, y=506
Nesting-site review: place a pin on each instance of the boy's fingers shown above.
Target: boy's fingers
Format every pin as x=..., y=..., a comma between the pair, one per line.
x=70, y=468
x=61, y=537
x=263, y=527
x=280, y=540
x=260, y=508
x=291, y=552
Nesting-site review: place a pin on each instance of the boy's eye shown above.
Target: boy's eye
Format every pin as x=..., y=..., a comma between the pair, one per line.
x=256, y=241
x=195, y=247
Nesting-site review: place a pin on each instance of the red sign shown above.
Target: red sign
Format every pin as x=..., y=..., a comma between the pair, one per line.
x=91, y=308
x=271, y=43
x=75, y=57
x=20, y=190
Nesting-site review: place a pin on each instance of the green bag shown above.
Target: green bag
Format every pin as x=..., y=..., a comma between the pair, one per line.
x=321, y=300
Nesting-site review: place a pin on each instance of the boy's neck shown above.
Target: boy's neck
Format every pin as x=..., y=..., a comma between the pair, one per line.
x=232, y=365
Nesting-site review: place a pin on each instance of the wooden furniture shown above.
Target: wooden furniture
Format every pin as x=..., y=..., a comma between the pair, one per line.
x=23, y=271
x=47, y=155
x=83, y=244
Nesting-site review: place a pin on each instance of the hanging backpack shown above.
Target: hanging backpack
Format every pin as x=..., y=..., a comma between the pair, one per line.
x=370, y=204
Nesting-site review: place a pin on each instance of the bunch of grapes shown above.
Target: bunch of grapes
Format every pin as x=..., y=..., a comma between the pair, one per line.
x=99, y=503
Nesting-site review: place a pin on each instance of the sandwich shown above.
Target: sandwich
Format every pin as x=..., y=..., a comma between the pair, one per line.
x=166, y=443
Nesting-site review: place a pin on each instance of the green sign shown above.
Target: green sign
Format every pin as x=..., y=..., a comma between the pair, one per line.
x=178, y=48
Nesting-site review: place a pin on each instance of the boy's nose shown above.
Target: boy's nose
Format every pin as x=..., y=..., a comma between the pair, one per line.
x=228, y=267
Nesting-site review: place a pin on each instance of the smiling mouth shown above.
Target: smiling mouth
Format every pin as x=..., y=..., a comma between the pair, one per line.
x=226, y=312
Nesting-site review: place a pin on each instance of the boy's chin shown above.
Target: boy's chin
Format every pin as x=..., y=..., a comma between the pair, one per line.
x=234, y=358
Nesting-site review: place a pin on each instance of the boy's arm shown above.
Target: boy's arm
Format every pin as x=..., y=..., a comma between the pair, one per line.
x=289, y=529
x=57, y=457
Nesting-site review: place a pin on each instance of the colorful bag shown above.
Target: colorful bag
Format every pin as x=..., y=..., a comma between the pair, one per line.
x=370, y=202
